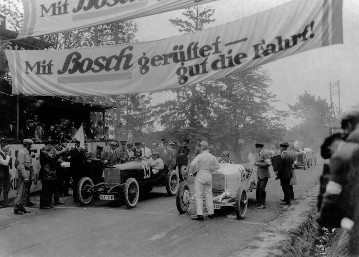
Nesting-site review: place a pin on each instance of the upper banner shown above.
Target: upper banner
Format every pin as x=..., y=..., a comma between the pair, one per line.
x=292, y=28
x=49, y=16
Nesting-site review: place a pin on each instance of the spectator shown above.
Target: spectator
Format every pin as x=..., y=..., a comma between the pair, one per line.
x=157, y=163
x=130, y=151
x=39, y=132
x=340, y=201
x=146, y=152
x=137, y=151
x=5, y=183
x=23, y=164
x=182, y=154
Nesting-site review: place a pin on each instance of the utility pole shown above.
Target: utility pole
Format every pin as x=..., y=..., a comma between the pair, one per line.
x=334, y=91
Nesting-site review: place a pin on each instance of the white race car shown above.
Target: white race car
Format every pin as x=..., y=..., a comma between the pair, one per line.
x=230, y=187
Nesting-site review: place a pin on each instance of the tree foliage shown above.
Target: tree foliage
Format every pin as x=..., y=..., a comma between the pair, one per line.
x=13, y=12
x=316, y=117
x=226, y=111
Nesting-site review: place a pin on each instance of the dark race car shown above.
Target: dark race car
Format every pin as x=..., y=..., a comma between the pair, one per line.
x=126, y=181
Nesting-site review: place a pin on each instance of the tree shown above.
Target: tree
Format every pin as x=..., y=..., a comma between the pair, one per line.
x=243, y=110
x=189, y=110
x=316, y=117
x=13, y=12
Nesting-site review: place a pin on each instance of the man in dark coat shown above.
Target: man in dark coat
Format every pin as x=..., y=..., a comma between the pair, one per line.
x=182, y=154
x=77, y=159
x=286, y=172
x=263, y=163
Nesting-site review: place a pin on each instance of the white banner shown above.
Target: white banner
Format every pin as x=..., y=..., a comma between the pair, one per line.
x=49, y=16
x=294, y=27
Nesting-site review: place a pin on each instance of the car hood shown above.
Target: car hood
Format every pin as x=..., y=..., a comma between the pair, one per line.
x=133, y=165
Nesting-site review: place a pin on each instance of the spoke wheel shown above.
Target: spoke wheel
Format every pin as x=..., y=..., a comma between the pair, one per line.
x=183, y=172
x=241, y=204
x=84, y=190
x=172, y=183
x=131, y=192
x=182, y=197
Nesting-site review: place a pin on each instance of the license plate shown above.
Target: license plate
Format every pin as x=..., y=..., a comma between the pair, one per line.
x=217, y=206
x=107, y=197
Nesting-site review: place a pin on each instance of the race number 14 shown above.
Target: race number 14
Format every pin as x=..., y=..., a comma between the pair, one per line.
x=146, y=170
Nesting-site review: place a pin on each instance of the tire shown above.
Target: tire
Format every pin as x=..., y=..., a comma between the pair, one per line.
x=84, y=194
x=241, y=204
x=131, y=192
x=182, y=197
x=172, y=182
x=183, y=173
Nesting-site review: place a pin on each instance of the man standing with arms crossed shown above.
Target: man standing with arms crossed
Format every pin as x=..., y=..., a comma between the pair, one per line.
x=263, y=163
x=202, y=167
x=25, y=170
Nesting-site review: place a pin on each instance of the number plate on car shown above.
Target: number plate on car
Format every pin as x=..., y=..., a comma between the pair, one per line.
x=217, y=206
x=107, y=197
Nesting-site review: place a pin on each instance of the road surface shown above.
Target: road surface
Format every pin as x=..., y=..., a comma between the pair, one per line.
x=153, y=228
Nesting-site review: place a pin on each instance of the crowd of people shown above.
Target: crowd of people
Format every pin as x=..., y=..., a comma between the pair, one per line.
x=338, y=201
x=61, y=132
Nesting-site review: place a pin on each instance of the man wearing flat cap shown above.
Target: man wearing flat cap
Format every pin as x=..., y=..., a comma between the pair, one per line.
x=285, y=174
x=202, y=167
x=25, y=170
x=263, y=163
x=122, y=151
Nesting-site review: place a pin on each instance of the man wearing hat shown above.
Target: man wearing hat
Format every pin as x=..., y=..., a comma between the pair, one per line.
x=77, y=159
x=202, y=167
x=263, y=163
x=122, y=151
x=130, y=151
x=182, y=154
x=157, y=163
x=5, y=176
x=137, y=151
x=25, y=170
x=285, y=173
x=112, y=156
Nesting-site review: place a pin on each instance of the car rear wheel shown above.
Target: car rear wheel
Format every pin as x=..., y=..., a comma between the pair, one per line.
x=131, y=192
x=183, y=172
x=172, y=182
x=182, y=197
x=241, y=204
x=84, y=192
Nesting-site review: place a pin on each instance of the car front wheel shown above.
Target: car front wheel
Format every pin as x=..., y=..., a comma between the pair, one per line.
x=172, y=182
x=183, y=197
x=131, y=192
x=84, y=193
x=241, y=204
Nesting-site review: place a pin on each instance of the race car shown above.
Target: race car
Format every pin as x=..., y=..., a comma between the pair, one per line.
x=230, y=186
x=126, y=181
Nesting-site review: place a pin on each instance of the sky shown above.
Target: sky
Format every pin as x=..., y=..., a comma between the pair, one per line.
x=310, y=71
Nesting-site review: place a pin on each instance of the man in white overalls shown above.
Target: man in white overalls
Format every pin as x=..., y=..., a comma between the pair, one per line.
x=202, y=167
